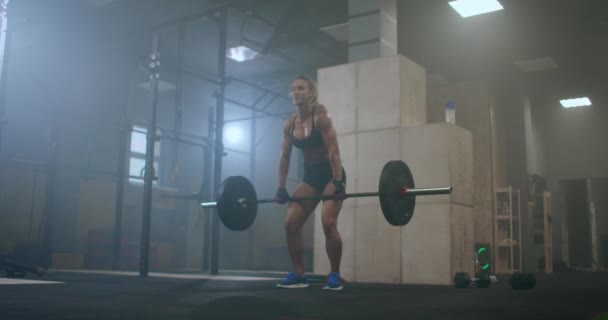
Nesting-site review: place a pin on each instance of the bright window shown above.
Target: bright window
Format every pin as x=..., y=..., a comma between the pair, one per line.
x=137, y=162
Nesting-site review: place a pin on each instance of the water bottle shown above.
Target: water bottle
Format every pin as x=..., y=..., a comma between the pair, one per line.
x=450, y=112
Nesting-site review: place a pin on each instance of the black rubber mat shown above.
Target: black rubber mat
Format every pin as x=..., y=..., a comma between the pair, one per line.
x=96, y=296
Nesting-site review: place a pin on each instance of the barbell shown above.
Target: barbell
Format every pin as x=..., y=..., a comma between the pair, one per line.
x=237, y=201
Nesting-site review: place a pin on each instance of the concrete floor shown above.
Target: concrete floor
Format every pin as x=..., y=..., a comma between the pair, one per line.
x=182, y=296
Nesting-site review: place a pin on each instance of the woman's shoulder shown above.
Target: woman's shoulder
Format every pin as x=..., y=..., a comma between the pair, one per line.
x=322, y=117
x=320, y=110
x=288, y=124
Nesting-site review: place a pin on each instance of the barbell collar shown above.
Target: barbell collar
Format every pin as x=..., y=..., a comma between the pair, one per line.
x=426, y=191
x=209, y=204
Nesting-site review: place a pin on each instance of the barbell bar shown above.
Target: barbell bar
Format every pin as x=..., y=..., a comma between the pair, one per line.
x=237, y=201
x=405, y=192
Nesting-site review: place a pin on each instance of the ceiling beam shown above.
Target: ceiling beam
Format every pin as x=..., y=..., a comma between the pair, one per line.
x=279, y=28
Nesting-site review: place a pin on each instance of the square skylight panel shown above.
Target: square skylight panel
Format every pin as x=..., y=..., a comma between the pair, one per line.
x=469, y=8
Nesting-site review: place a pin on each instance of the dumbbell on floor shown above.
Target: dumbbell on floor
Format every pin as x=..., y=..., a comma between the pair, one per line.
x=518, y=281
x=463, y=280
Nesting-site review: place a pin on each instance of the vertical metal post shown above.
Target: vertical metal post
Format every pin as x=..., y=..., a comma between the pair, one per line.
x=219, y=138
x=512, y=266
x=252, y=157
x=207, y=190
x=593, y=231
x=178, y=97
x=120, y=192
x=149, y=172
x=49, y=218
x=4, y=57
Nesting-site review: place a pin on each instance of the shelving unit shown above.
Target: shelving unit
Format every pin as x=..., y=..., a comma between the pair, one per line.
x=507, y=236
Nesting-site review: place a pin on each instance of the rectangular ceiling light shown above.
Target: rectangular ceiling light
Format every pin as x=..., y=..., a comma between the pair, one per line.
x=240, y=53
x=576, y=102
x=469, y=8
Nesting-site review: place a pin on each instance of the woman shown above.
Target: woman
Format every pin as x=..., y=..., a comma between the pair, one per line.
x=310, y=129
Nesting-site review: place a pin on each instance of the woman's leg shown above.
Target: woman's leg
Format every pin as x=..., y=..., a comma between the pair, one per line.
x=329, y=218
x=297, y=214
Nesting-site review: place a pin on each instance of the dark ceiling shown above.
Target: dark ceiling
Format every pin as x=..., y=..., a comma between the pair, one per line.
x=571, y=32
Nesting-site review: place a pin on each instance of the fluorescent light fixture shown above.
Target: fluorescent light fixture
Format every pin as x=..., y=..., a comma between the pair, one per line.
x=240, y=53
x=469, y=8
x=576, y=102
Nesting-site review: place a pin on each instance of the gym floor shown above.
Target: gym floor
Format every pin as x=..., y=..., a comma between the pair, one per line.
x=234, y=295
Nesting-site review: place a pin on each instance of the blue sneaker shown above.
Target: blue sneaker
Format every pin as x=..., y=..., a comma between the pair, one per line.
x=334, y=282
x=293, y=281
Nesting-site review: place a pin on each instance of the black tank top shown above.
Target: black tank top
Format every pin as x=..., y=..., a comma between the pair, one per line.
x=315, y=139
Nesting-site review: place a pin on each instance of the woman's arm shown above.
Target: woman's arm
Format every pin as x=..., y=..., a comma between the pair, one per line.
x=330, y=138
x=285, y=153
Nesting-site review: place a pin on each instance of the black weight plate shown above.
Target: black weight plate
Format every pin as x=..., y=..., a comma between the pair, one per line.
x=397, y=209
x=234, y=214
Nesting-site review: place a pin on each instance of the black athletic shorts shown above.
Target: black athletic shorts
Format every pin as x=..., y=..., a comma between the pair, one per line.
x=319, y=175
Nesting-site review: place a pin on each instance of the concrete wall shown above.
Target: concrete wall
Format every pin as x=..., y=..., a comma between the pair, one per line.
x=84, y=107
x=55, y=95
x=176, y=224
x=599, y=190
x=85, y=187
x=574, y=139
x=509, y=108
x=535, y=157
x=22, y=201
x=472, y=101
x=573, y=147
x=495, y=112
x=536, y=169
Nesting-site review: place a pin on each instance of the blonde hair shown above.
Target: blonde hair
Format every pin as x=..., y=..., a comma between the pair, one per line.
x=314, y=90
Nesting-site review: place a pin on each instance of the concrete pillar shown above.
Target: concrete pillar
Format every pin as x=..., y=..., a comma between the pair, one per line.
x=372, y=29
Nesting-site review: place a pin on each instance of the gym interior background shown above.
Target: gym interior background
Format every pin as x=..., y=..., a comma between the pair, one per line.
x=76, y=105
